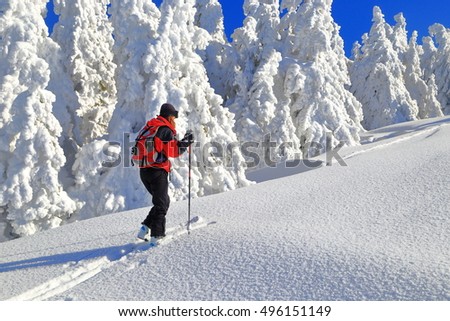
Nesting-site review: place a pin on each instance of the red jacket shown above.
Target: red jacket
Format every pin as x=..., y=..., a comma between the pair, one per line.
x=165, y=143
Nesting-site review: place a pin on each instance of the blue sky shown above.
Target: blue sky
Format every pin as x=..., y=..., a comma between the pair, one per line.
x=355, y=16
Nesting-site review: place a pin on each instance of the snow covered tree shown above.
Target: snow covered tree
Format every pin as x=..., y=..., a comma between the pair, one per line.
x=135, y=24
x=428, y=57
x=255, y=103
x=281, y=127
x=209, y=16
x=258, y=103
x=219, y=57
x=31, y=196
x=441, y=64
x=425, y=94
x=85, y=36
x=256, y=40
x=316, y=76
x=399, y=35
x=377, y=79
x=66, y=101
x=245, y=42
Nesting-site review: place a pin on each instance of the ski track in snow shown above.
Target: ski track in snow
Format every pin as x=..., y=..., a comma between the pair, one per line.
x=398, y=140
x=86, y=268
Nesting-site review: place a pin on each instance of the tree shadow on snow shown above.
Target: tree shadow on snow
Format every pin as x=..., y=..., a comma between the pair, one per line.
x=284, y=169
x=401, y=129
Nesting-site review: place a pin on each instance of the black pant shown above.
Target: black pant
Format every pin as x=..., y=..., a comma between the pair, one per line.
x=156, y=182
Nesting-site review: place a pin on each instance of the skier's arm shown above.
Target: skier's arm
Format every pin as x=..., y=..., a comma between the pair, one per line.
x=166, y=142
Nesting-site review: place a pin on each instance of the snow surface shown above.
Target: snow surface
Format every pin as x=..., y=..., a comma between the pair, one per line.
x=376, y=229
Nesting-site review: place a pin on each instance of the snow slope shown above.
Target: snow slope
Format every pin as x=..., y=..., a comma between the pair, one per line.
x=377, y=229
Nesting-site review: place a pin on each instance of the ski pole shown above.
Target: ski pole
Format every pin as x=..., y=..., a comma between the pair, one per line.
x=189, y=193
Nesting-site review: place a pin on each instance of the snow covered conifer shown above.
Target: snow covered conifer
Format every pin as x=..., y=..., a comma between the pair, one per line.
x=377, y=79
x=85, y=36
x=209, y=16
x=399, y=35
x=260, y=108
x=428, y=57
x=356, y=52
x=135, y=24
x=219, y=57
x=255, y=103
x=316, y=76
x=31, y=196
x=441, y=66
x=425, y=94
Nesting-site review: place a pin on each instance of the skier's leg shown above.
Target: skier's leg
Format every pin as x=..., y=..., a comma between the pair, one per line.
x=157, y=184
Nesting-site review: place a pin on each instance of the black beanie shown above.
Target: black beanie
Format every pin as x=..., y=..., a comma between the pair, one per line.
x=168, y=110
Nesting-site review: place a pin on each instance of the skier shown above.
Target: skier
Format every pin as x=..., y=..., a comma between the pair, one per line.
x=155, y=144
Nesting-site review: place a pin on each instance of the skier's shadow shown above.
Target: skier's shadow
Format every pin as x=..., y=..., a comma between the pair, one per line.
x=113, y=253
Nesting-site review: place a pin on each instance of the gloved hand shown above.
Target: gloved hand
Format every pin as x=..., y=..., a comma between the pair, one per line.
x=188, y=137
x=187, y=140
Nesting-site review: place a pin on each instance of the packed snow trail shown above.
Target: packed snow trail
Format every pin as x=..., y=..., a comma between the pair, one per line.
x=104, y=258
